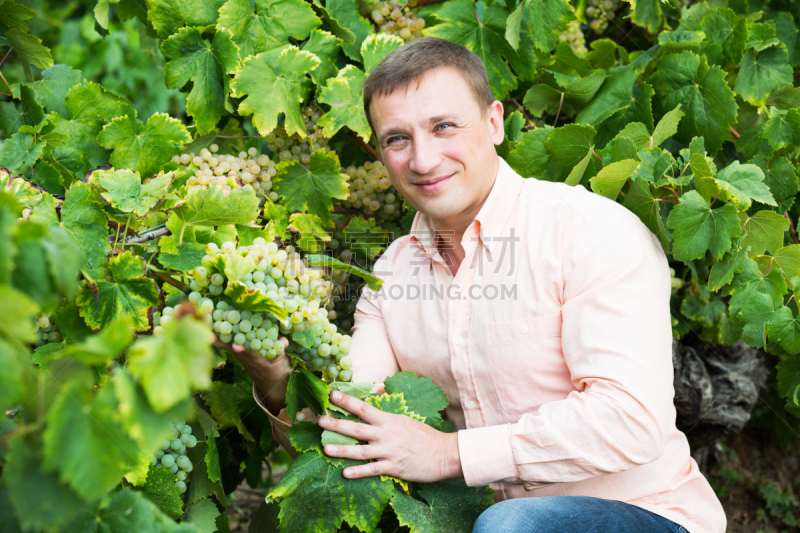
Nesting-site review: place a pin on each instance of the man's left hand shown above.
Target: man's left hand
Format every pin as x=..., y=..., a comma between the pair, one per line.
x=403, y=447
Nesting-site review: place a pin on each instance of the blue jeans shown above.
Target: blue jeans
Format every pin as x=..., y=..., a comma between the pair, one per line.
x=571, y=514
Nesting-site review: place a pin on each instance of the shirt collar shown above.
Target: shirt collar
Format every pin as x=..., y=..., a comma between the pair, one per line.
x=490, y=220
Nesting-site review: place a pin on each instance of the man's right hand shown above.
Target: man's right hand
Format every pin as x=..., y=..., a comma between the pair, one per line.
x=270, y=376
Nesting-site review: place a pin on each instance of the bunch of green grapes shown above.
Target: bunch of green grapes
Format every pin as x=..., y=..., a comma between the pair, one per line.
x=230, y=171
x=372, y=191
x=294, y=146
x=172, y=455
x=600, y=12
x=285, y=278
x=574, y=36
x=677, y=283
x=394, y=19
x=47, y=330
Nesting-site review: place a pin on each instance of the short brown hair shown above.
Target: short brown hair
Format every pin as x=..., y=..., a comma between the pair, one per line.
x=412, y=61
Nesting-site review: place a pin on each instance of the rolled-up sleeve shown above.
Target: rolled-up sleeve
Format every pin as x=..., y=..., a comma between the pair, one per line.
x=616, y=340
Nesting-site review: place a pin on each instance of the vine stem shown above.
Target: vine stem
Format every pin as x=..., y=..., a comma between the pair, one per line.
x=665, y=200
x=168, y=279
x=792, y=230
x=6, y=82
x=560, y=103
x=4, y=57
x=125, y=232
x=714, y=200
x=735, y=133
x=524, y=114
x=365, y=146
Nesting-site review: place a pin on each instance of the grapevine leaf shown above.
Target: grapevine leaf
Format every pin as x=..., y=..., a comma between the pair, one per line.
x=647, y=14
x=212, y=207
x=357, y=390
x=212, y=459
x=326, y=261
x=722, y=272
x=200, y=486
x=160, y=489
x=760, y=36
x=311, y=188
x=784, y=329
x=376, y=47
x=31, y=112
x=49, y=178
x=252, y=300
x=782, y=129
x=345, y=14
x=513, y=25
x=101, y=348
x=742, y=183
x=421, y=395
x=125, y=191
x=568, y=147
x=786, y=98
x=344, y=93
x=666, y=127
x=15, y=15
x=51, y=90
x=780, y=176
x=311, y=232
x=326, y=47
x=189, y=256
x=394, y=404
x=268, y=27
x=306, y=437
x=702, y=91
x=143, y=147
x=609, y=181
x=29, y=49
x=751, y=283
x=764, y=231
x=640, y=201
x=448, y=506
x=530, y=157
x=366, y=240
x=786, y=32
x=763, y=72
x=272, y=83
x=486, y=39
x=306, y=390
x=203, y=515
x=728, y=30
x=788, y=259
x=207, y=65
x=697, y=228
x=83, y=219
x=546, y=20
x=331, y=437
x=130, y=295
x=85, y=443
x=20, y=151
x=167, y=16
x=174, y=364
x=40, y=500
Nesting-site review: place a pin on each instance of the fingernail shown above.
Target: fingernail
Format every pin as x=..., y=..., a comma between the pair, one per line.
x=330, y=448
x=347, y=472
x=336, y=395
x=324, y=420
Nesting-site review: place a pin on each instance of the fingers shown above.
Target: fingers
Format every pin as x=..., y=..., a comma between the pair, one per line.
x=351, y=429
x=363, y=410
x=363, y=452
x=375, y=468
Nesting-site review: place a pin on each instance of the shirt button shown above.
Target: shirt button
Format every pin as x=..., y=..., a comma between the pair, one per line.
x=470, y=405
x=524, y=329
x=459, y=339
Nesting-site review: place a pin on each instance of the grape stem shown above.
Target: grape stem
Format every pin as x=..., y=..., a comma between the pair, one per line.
x=792, y=230
x=375, y=155
x=560, y=103
x=168, y=279
x=735, y=133
x=524, y=114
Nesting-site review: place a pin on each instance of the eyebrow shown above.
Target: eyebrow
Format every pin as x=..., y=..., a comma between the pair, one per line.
x=431, y=121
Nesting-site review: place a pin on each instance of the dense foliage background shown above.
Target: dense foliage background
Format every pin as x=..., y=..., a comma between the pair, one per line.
x=138, y=137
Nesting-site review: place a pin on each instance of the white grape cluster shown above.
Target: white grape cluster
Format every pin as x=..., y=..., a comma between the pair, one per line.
x=47, y=330
x=295, y=147
x=26, y=215
x=394, y=19
x=230, y=171
x=284, y=277
x=600, y=12
x=372, y=191
x=172, y=455
x=574, y=36
x=677, y=283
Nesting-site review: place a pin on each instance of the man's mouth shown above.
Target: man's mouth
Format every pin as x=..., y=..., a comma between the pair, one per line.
x=433, y=184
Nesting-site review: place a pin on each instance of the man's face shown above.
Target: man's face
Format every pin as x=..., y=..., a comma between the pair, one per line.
x=437, y=144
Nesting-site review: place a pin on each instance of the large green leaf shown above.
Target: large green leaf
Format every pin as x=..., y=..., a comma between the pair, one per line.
x=174, y=364
x=530, y=157
x=306, y=390
x=647, y=14
x=213, y=207
x=729, y=31
x=609, y=181
x=20, y=151
x=782, y=128
x=422, y=396
x=126, y=192
x=312, y=188
x=697, y=228
x=780, y=175
x=569, y=147
x=763, y=72
x=449, y=507
x=51, y=90
x=703, y=93
x=83, y=218
x=764, y=231
x=29, y=49
x=345, y=95
x=167, y=16
x=639, y=199
x=145, y=148
x=273, y=83
x=268, y=27
x=207, y=65
x=546, y=20
x=346, y=15
x=742, y=183
x=326, y=47
x=130, y=295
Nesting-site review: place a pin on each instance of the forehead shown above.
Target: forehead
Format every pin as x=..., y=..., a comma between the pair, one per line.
x=440, y=91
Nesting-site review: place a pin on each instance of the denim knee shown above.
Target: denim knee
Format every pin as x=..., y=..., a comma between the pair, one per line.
x=502, y=517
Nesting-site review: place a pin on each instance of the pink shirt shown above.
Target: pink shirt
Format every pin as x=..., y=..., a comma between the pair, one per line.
x=553, y=344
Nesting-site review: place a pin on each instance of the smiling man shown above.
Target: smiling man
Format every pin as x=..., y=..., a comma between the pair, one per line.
x=542, y=310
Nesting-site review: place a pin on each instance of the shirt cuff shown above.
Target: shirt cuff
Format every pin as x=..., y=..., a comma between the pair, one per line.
x=486, y=455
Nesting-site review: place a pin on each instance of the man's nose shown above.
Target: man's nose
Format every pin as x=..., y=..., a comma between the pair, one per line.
x=425, y=156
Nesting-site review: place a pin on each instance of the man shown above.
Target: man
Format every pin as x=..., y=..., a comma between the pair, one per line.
x=542, y=312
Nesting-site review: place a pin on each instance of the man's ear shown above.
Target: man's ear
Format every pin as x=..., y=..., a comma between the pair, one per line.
x=496, y=126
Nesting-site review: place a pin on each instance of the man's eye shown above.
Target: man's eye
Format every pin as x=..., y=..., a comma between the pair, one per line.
x=392, y=139
x=443, y=125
